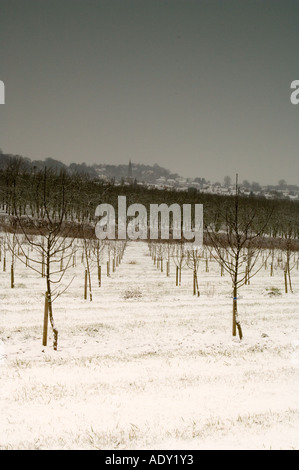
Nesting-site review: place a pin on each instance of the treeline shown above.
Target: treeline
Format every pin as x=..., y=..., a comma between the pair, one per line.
x=140, y=172
x=50, y=163
x=24, y=190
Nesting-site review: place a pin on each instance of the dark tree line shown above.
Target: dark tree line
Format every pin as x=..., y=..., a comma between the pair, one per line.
x=21, y=190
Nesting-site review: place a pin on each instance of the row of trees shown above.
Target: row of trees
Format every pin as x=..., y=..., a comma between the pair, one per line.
x=23, y=192
x=46, y=239
x=282, y=185
x=168, y=255
x=51, y=212
x=238, y=245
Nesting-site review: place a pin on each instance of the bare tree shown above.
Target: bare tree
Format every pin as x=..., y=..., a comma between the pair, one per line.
x=179, y=257
x=98, y=249
x=52, y=243
x=12, y=246
x=88, y=261
x=288, y=261
x=238, y=247
x=192, y=260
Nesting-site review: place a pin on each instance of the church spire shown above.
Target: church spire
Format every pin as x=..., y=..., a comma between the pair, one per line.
x=130, y=173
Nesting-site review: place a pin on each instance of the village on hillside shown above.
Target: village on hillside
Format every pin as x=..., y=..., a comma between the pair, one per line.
x=175, y=182
x=153, y=177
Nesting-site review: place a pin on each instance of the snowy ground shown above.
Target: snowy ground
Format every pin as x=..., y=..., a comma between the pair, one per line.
x=157, y=371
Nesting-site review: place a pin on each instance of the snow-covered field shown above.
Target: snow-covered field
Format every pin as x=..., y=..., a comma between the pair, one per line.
x=146, y=365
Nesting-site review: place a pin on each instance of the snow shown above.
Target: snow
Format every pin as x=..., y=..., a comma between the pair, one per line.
x=146, y=365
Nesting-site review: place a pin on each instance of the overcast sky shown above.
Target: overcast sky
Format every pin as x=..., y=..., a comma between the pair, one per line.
x=199, y=87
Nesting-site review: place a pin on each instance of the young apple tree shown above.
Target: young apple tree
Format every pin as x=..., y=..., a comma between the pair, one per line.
x=52, y=238
x=238, y=245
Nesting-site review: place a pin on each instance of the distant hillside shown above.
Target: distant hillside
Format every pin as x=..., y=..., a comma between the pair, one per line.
x=151, y=175
x=141, y=172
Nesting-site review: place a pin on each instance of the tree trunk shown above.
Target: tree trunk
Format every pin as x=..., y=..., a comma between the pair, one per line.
x=12, y=277
x=89, y=284
x=50, y=308
x=222, y=270
x=285, y=281
x=235, y=310
x=195, y=283
x=54, y=329
x=85, y=285
x=236, y=321
x=46, y=317
x=100, y=275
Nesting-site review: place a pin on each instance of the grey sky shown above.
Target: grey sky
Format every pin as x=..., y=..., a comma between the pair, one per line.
x=200, y=87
